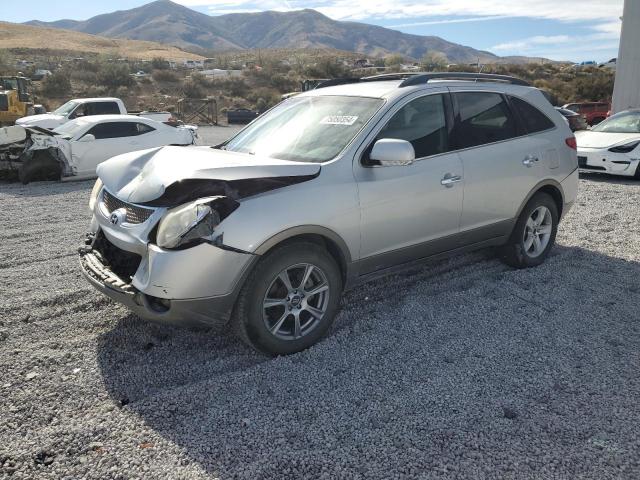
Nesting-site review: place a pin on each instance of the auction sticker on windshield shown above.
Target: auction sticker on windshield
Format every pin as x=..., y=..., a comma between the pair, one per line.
x=339, y=120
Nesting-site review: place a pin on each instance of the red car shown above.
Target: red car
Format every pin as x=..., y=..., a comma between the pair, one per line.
x=593, y=112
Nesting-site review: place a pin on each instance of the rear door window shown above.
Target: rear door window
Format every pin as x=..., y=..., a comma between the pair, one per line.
x=534, y=120
x=483, y=118
x=102, y=108
x=114, y=130
x=422, y=122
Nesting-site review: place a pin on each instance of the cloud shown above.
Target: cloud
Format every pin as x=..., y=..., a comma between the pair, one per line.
x=605, y=36
x=447, y=21
x=532, y=42
x=602, y=17
x=563, y=10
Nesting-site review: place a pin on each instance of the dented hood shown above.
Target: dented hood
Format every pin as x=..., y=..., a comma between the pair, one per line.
x=168, y=176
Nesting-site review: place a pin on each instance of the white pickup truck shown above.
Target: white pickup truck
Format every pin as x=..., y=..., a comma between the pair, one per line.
x=84, y=107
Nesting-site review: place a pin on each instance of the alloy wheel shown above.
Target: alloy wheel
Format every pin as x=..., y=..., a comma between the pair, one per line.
x=537, y=232
x=296, y=301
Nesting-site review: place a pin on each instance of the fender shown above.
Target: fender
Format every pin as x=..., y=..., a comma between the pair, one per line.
x=544, y=183
x=306, y=230
x=347, y=265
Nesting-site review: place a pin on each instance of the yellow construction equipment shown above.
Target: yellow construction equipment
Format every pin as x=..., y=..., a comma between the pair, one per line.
x=16, y=99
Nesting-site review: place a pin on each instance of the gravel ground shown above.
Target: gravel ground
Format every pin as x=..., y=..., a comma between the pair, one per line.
x=463, y=369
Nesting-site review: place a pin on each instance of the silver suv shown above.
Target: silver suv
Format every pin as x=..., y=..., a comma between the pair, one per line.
x=328, y=189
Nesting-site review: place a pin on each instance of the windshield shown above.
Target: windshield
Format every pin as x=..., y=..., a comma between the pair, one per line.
x=306, y=129
x=69, y=129
x=625, y=122
x=66, y=109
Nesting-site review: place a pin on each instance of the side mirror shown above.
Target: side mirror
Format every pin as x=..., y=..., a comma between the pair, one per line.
x=89, y=137
x=392, y=152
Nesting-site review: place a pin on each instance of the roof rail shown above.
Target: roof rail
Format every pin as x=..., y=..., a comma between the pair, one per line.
x=418, y=79
x=375, y=78
x=335, y=81
x=388, y=76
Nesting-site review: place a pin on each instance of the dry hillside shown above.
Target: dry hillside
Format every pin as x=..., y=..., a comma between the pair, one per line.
x=14, y=36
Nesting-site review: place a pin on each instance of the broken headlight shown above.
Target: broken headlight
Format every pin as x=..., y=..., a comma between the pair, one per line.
x=93, y=198
x=187, y=224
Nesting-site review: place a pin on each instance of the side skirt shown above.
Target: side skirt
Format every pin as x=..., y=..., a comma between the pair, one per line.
x=404, y=259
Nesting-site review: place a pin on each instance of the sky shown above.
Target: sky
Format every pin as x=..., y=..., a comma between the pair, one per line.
x=577, y=30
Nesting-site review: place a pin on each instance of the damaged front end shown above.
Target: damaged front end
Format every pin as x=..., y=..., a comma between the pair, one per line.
x=156, y=242
x=33, y=153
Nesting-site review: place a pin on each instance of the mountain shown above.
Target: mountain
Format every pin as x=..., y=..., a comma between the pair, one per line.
x=65, y=24
x=167, y=22
x=16, y=36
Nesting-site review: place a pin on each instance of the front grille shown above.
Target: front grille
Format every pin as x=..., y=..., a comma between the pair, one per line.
x=582, y=162
x=135, y=214
x=124, y=264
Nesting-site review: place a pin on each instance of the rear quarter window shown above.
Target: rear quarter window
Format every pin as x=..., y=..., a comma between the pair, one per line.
x=143, y=128
x=532, y=118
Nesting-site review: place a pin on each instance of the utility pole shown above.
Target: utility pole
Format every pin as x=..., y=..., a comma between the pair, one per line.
x=626, y=93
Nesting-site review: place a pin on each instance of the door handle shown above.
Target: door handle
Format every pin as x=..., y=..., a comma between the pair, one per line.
x=530, y=160
x=450, y=180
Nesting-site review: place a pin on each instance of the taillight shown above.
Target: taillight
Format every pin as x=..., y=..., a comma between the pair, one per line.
x=571, y=143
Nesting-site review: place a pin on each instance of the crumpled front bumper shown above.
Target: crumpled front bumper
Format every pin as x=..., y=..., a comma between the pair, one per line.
x=198, y=311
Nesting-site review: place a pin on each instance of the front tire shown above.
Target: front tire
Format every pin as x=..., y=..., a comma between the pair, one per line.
x=290, y=300
x=41, y=166
x=534, y=233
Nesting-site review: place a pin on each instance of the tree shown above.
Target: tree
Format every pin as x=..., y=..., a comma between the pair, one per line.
x=434, y=60
x=393, y=60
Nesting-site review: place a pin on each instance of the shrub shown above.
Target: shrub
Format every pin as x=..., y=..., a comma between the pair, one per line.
x=115, y=75
x=84, y=76
x=235, y=87
x=159, y=63
x=166, y=76
x=263, y=98
x=434, y=61
x=194, y=90
x=393, y=60
x=57, y=84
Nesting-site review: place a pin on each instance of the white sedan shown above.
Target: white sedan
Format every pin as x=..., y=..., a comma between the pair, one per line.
x=612, y=146
x=79, y=146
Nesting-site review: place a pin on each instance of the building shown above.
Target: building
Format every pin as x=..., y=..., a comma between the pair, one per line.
x=626, y=93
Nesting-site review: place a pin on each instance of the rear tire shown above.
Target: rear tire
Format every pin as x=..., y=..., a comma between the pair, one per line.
x=277, y=317
x=534, y=233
